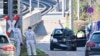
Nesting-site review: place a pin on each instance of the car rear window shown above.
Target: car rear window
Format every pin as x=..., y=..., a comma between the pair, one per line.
x=95, y=37
x=3, y=39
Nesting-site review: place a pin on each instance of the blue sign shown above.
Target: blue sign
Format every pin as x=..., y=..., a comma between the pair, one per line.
x=90, y=10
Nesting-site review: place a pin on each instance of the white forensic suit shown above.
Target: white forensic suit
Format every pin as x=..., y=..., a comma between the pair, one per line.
x=30, y=42
x=18, y=40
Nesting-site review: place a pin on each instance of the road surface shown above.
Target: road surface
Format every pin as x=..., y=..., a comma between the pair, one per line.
x=44, y=29
x=44, y=45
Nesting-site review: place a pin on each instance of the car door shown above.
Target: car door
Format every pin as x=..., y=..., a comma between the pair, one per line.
x=81, y=38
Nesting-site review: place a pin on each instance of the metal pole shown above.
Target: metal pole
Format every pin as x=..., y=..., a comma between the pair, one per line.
x=20, y=14
x=71, y=14
x=57, y=9
x=19, y=3
x=90, y=3
x=63, y=8
x=38, y=2
x=78, y=9
x=19, y=22
x=10, y=14
x=65, y=3
x=10, y=11
x=90, y=13
x=30, y=4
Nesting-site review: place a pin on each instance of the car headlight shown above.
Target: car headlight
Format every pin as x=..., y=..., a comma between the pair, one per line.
x=54, y=40
x=64, y=39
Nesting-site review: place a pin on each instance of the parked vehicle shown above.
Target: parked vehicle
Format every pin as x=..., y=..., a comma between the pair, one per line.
x=93, y=44
x=81, y=38
x=91, y=27
x=6, y=47
x=63, y=38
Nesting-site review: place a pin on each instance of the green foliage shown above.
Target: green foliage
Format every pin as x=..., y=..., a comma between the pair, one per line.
x=24, y=52
x=75, y=8
x=84, y=7
x=84, y=16
x=40, y=51
x=83, y=10
x=99, y=8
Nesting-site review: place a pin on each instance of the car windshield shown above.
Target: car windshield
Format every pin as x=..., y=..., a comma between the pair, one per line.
x=68, y=32
x=3, y=39
x=95, y=37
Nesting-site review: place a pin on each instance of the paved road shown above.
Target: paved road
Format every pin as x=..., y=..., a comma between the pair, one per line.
x=51, y=21
x=44, y=45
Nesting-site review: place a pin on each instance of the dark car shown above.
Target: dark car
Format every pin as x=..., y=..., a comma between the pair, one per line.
x=63, y=38
x=81, y=38
x=93, y=44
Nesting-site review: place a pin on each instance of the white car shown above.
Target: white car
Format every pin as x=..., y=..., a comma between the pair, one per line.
x=6, y=47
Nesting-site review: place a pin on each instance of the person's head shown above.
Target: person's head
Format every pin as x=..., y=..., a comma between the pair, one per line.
x=29, y=27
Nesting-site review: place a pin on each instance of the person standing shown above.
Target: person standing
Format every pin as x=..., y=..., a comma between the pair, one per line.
x=18, y=40
x=90, y=28
x=30, y=42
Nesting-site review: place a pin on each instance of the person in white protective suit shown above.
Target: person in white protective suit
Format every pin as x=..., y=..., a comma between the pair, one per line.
x=30, y=42
x=18, y=40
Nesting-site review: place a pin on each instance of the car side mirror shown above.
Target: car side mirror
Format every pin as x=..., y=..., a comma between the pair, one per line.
x=51, y=34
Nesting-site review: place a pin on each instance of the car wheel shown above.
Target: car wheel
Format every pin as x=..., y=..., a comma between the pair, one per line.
x=51, y=47
x=86, y=53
